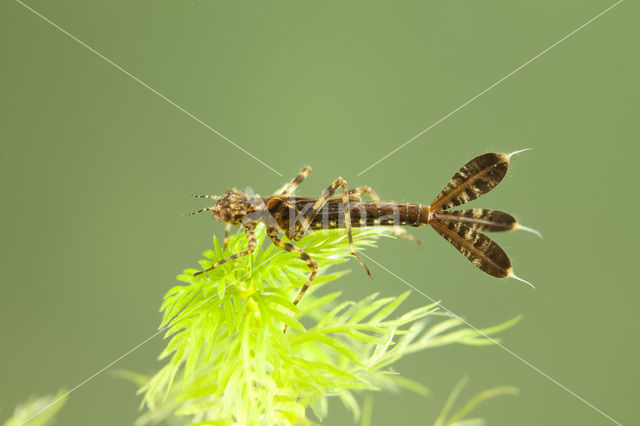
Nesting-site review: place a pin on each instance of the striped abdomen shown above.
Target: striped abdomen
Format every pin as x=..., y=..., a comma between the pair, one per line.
x=372, y=213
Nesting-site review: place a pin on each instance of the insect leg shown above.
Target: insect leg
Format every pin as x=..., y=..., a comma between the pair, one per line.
x=291, y=186
x=227, y=230
x=251, y=246
x=347, y=216
x=364, y=190
x=312, y=264
x=398, y=231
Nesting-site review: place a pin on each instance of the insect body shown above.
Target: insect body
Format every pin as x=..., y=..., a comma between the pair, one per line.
x=295, y=215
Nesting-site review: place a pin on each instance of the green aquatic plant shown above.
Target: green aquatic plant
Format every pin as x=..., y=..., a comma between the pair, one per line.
x=38, y=410
x=459, y=418
x=227, y=360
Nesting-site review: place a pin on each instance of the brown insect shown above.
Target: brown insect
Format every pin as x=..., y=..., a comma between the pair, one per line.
x=295, y=215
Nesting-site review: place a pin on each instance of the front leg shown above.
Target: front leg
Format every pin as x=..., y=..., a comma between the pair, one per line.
x=227, y=231
x=251, y=247
x=347, y=216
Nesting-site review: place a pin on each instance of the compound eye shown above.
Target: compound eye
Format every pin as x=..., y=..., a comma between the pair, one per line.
x=226, y=215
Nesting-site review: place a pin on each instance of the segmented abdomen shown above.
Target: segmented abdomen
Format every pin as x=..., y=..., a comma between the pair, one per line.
x=372, y=213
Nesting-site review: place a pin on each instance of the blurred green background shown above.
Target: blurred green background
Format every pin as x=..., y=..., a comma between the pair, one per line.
x=95, y=169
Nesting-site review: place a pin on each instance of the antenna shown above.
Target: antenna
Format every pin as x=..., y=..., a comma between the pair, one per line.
x=213, y=197
x=199, y=211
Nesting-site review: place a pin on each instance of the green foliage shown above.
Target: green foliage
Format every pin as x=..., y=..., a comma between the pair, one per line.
x=458, y=418
x=228, y=361
x=38, y=411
